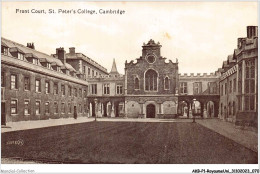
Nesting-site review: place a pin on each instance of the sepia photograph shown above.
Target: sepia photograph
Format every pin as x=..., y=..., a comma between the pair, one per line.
x=129, y=83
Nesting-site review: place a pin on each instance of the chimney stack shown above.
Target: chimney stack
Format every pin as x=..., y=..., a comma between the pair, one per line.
x=252, y=31
x=72, y=50
x=61, y=54
x=30, y=45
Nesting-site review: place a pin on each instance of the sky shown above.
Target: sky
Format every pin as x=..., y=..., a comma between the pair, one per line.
x=199, y=34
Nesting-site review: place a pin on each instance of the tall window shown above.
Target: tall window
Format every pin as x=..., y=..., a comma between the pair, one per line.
x=2, y=79
x=166, y=83
x=80, y=92
x=136, y=81
x=70, y=90
x=119, y=89
x=55, y=106
x=197, y=88
x=55, y=88
x=93, y=88
x=37, y=85
x=26, y=107
x=14, y=82
x=69, y=107
x=75, y=92
x=13, y=106
x=234, y=108
x=47, y=87
x=26, y=83
x=250, y=85
x=183, y=88
x=234, y=85
x=37, y=108
x=85, y=94
x=62, y=107
x=222, y=90
x=230, y=86
x=47, y=108
x=93, y=73
x=84, y=69
x=35, y=61
x=89, y=71
x=4, y=50
x=20, y=56
x=62, y=89
x=212, y=87
x=80, y=108
x=225, y=88
x=151, y=80
x=106, y=88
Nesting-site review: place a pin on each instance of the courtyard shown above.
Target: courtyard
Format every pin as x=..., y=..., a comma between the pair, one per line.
x=125, y=143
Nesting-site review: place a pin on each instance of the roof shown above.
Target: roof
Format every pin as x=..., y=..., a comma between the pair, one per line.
x=114, y=69
x=24, y=49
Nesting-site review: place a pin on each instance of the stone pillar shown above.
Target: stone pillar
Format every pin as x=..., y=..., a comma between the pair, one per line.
x=205, y=113
x=99, y=114
x=90, y=109
x=190, y=111
x=112, y=110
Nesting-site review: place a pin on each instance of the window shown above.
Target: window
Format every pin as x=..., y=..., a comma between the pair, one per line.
x=166, y=83
x=55, y=88
x=222, y=90
x=85, y=108
x=183, y=88
x=37, y=108
x=75, y=92
x=70, y=90
x=151, y=80
x=35, y=61
x=229, y=108
x=26, y=107
x=225, y=88
x=2, y=79
x=136, y=81
x=106, y=89
x=84, y=69
x=62, y=89
x=14, y=81
x=69, y=106
x=85, y=94
x=14, y=107
x=80, y=92
x=62, y=107
x=93, y=73
x=230, y=86
x=93, y=88
x=47, y=108
x=20, y=56
x=234, y=85
x=58, y=69
x=80, y=108
x=55, y=106
x=47, y=87
x=197, y=88
x=119, y=89
x=250, y=91
x=89, y=71
x=48, y=65
x=4, y=50
x=37, y=85
x=234, y=108
x=212, y=87
x=27, y=83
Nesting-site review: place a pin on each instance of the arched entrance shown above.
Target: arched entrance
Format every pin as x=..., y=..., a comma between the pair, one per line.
x=150, y=111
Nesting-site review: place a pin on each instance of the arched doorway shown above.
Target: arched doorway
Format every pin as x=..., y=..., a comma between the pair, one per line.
x=150, y=111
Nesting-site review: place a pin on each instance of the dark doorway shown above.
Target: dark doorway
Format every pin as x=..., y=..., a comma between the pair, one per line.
x=150, y=111
x=93, y=109
x=3, y=117
x=116, y=110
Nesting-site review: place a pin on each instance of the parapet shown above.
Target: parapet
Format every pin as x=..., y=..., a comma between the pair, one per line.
x=199, y=75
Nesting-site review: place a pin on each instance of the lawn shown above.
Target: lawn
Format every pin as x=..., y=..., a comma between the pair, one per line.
x=126, y=142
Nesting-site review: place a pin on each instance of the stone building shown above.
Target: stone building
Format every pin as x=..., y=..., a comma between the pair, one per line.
x=151, y=85
x=106, y=94
x=238, y=81
x=199, y=95
x=36, y=86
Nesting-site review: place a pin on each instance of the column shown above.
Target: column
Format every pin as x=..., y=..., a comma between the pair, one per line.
x=90, y=109
x=99, y=109
x=112, y=109
x=205, y=113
